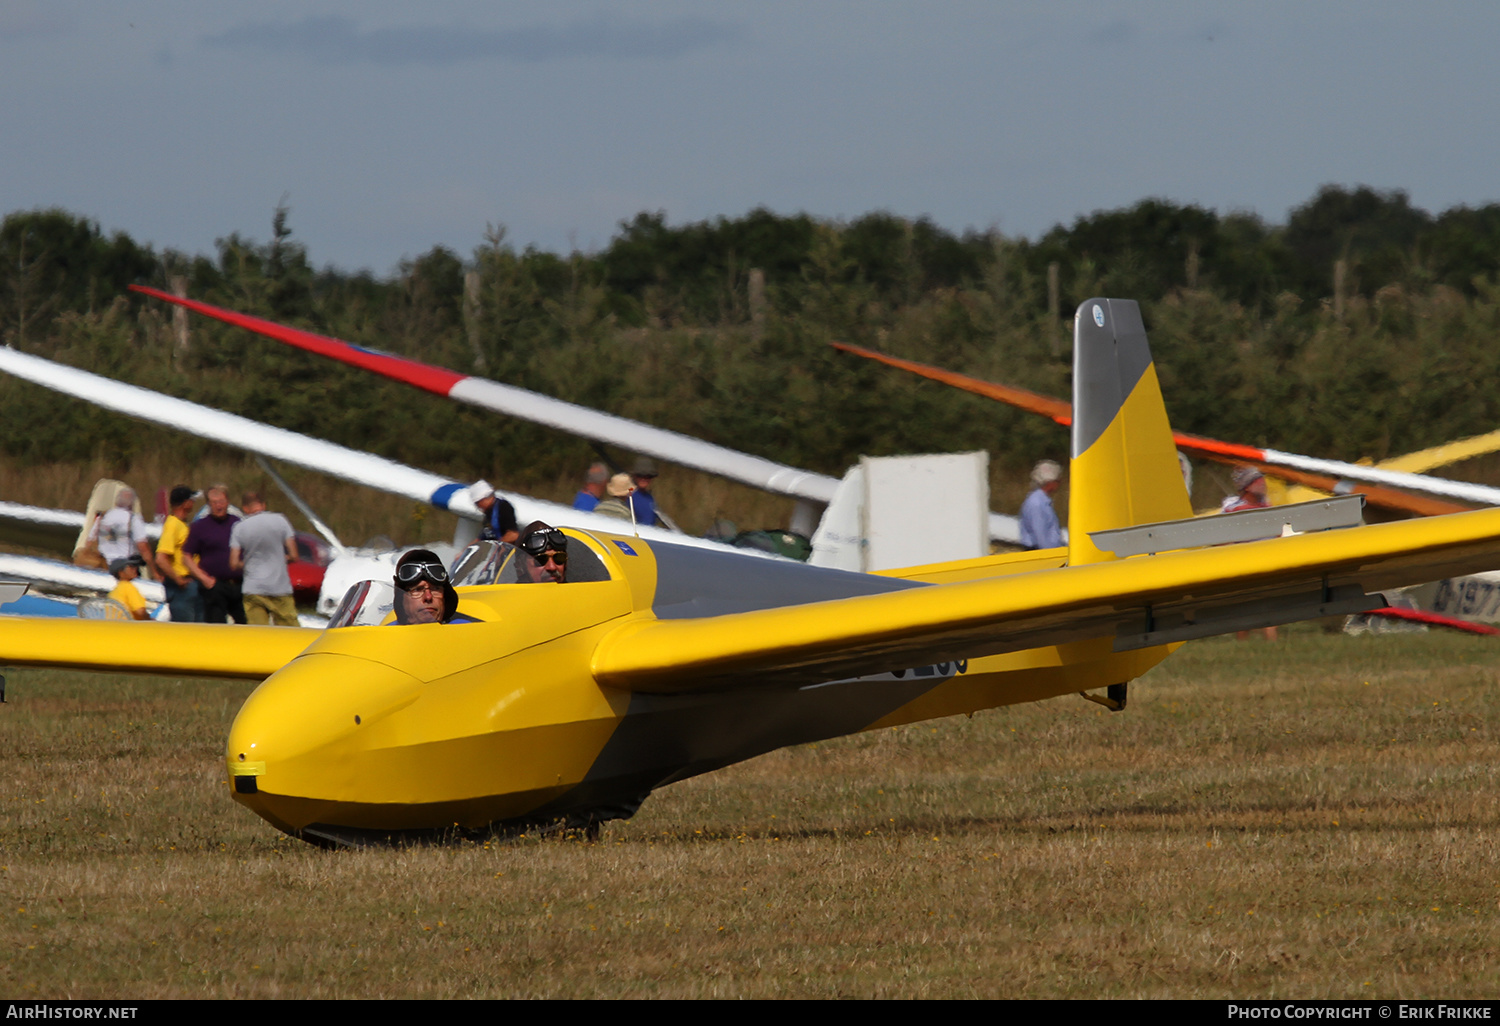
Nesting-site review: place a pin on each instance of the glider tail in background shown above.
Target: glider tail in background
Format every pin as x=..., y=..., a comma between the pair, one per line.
x=1124, y=468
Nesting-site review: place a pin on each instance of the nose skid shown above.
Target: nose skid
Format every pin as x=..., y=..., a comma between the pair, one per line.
x=297, y=738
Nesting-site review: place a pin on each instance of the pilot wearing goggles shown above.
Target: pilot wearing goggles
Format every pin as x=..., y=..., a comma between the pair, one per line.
x=542, y=554
x=424, y=594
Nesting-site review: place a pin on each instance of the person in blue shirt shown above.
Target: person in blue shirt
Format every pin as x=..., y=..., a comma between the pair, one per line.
x=643, y=475
x=1039, y=526
x=593, y=489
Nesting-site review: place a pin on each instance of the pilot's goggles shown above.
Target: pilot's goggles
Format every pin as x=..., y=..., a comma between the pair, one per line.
x=539, y=544
x=408, y=574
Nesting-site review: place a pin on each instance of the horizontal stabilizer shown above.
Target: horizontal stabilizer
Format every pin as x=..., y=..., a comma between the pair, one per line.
x=1228, y=528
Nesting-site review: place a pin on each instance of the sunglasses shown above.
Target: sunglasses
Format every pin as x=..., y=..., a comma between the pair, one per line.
x=539, y=544
x=408, y=574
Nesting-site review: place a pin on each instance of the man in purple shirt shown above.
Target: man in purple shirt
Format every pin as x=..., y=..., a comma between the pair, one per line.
x=208, y=545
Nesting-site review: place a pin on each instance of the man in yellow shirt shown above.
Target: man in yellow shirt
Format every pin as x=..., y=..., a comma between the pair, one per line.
x=179, y=574
x=126, y=570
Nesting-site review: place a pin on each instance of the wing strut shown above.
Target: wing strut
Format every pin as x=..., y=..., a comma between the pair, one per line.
x=339, y=547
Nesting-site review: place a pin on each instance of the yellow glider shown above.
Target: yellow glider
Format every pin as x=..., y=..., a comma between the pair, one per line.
x=656, y=662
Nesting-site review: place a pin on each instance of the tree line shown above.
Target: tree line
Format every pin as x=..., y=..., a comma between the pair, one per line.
x=1361, y=326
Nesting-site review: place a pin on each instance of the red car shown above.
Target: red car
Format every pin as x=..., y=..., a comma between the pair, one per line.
x=313, y=557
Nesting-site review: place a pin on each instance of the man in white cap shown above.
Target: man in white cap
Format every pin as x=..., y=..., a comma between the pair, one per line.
x=1039, y=526
x=499, y=515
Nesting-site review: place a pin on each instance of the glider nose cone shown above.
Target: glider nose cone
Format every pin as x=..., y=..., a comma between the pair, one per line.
x=297, y=743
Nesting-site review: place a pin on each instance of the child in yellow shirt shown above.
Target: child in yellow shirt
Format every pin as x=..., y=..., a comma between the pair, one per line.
x=126, y=570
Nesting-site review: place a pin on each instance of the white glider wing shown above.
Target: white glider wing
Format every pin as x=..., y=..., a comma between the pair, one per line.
x=681, y=449
x=312, y=453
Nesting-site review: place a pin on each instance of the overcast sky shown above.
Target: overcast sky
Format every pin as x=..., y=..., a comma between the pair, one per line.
x=393, y=127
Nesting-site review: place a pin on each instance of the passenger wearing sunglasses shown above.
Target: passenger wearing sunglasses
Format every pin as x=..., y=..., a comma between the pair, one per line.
x=424, y=594
x=542, y=552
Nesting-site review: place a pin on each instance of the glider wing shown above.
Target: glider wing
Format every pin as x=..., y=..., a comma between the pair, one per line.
x=181, y=649
x=532, y=406
x=313, y=453
x=1122, y=604
x=565, y=416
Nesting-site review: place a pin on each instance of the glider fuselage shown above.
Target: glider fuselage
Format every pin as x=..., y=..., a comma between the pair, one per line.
x=377, y=730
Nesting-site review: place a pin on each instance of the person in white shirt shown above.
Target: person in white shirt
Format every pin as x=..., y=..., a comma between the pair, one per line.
x=119, y=531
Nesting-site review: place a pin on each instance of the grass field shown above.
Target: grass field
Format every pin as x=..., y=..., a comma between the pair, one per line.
x=1314, y=818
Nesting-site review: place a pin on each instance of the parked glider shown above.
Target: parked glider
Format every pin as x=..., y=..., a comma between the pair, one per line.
x=56, y=587
x=314, y=454
x=813, y=491
x=657, y=661
x=1377, y=482
x=40, y=527
x=48, y=579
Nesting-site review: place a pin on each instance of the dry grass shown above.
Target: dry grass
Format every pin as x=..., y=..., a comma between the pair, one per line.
x=1316, y=818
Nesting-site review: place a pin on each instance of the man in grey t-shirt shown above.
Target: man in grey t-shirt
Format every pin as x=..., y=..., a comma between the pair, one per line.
x=261, y=545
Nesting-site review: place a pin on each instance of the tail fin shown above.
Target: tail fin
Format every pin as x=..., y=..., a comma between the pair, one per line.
x=1125, y=468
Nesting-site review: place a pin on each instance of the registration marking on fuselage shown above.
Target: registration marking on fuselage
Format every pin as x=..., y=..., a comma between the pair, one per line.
x=934, y=671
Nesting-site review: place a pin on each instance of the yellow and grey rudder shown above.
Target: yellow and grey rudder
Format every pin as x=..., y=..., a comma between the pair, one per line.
x=1124, y=468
